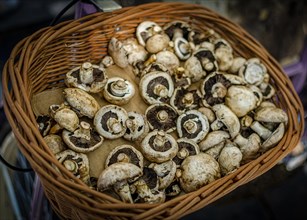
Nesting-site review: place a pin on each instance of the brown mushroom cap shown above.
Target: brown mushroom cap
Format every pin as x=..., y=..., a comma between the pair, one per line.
x=118, y=91
x=77, y=163
x=156, y=87
x=44, y=124
x=88, y=77
x=146, y=188
x=192, y=125
x=137, y=126
x=183, y=99
x=161, y=117
x=214, y=89
x=84, y=139
x=110, y=121
x=125, y=153
x=186, y=148
x=159, y=146
x=207, y=60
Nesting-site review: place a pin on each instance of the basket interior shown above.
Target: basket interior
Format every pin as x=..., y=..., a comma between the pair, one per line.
x=41, y=61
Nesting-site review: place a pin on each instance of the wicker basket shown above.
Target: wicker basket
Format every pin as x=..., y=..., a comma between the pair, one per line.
x=40, y=62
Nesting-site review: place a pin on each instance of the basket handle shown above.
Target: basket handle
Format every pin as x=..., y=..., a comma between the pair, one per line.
x=72, y=3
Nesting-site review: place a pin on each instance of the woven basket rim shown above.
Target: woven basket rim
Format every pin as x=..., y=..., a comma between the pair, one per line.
x=14, y=72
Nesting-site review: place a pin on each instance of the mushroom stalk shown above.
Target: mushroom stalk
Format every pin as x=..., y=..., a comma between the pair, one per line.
x=123, y=190
x=114, y=125
x=262, y=131
x=86, y=73
x=84, y=131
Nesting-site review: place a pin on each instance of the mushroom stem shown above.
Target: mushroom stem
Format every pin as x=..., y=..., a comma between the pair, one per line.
x=84, y=131
x=219, y=90
x=216, y=125
x=71, y=165
x=86, y=73
x=123, y=158
x=161, y=90
x=162, y=115
x=118, y=88
x=262, y=131
x=190, y=126
x=183, y=153
x=159, y=139
x=114, y=125
x=123, y=190
x=177, y=33
x=248, y=146
x=150, y=60
x=188, y=99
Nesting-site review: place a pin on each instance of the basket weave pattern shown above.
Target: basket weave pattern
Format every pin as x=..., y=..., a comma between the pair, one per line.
x=41, y=61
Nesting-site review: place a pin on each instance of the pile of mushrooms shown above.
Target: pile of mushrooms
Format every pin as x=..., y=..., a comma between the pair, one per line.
x=208, y=112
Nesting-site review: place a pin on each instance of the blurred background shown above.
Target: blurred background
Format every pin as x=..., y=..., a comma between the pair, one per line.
x=280, y=25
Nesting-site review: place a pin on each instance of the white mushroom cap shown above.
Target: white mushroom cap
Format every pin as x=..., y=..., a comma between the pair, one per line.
x=192, y=125
x=116, y=176
x=137, y=127
x=193, y=69
x=118, y=53
x=157, y=43
x=145, y=30
x=82, y=140
x=213, y=138
x=166, y=173
x=118, y=91
x=208, y=113
x=271, y=114
x=215, y=150
x=110, y=121
x=134, y=51
x=240, y=99
x=168, y=59
x=248, y=146
x=274, y=138
x=55, y=143
x=237, y=63
x=65, y=117
x=156, y=87
x=81, y=101
x=267, y=90
x=198, y=171
x=229, y=158
x=159, y=146
x=228, y=118
x=253, y=72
